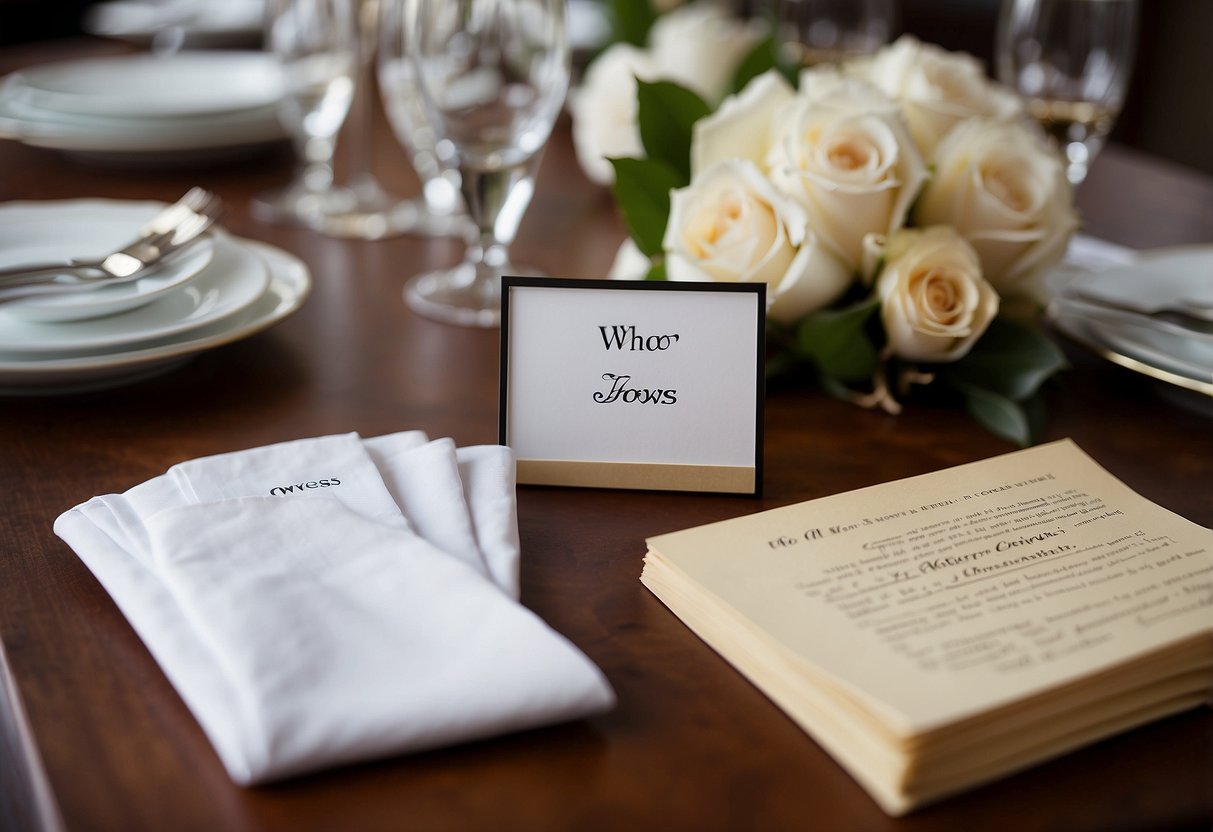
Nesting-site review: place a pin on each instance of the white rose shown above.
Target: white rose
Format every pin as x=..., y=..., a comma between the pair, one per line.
x=604, y=110
x=730, y=224
x=700, y=46
x=937, y=88
x=740, y=128
x=847, y=158
x=1005, y=190
x=934, y=303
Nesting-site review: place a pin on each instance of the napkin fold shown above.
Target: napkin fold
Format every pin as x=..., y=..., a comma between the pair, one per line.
x=335, y=599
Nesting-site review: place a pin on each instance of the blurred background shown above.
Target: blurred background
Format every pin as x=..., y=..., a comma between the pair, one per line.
x=1168, y=111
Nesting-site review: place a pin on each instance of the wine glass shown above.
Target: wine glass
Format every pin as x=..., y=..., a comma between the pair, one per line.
x=828, y=31
x=493, y=76
x=1071, y=60
x=316, y=42
x=439, y=211
x=362, y=208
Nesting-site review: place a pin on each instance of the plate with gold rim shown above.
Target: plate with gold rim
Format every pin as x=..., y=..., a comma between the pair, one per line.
x=290, y=285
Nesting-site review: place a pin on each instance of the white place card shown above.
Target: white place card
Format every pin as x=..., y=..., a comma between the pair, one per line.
x=634, y=384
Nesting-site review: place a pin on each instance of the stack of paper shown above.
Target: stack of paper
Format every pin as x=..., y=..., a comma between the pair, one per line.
x=942, y=631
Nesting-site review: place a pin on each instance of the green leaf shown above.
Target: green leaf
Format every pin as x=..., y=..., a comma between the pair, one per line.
x=837, y=341
x=631, y=20
x=667, y=114
x=1011, y=359
x=657, y=272
x=998, y=414
x=642, y=190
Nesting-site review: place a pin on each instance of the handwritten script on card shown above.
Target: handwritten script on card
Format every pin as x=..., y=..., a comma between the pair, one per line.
x=950, y=628
x=634, y=385
x=621, y=389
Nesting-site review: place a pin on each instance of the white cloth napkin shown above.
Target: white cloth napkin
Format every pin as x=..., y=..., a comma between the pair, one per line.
x=332, y=599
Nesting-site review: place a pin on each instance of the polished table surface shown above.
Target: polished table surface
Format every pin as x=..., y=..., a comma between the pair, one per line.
x=92, y=736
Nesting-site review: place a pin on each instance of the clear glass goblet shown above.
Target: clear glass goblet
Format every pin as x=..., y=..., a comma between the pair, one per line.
x=493, y=76
x=316, y=42
x=1071, y=60
x=362, y=208
x=439, y=211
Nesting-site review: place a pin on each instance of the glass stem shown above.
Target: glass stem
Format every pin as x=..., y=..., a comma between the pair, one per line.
x=362, y=118
x=317, y=154
x=488, y=252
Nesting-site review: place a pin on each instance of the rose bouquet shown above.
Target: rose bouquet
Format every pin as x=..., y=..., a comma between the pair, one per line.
x=900, y=208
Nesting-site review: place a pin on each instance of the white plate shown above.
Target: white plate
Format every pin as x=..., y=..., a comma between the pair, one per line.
x=234, y=279
x=1154, y=280
x=1092, y=335
x=38, y=232
x=211, y=23
x=1182, y=360
x=36, y=126
x=290, y=284
x=1190, y=355
x=156, y=86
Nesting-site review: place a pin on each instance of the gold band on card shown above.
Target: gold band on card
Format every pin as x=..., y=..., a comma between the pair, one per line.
x=729, y=479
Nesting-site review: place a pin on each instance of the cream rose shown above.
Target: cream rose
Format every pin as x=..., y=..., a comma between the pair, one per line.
x=700, y=46
x=938, y=89
x=848, y=160
x=1005, y=190
x=741, y=127
x=731, y=224
x=604, y=110
x=934, y=303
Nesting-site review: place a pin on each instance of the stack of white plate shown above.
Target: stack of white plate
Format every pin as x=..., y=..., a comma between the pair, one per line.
x=219, y=291
x=1153, y=315
x=147, y=109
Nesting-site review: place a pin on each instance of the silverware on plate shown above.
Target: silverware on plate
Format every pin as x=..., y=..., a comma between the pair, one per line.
x=166, y=235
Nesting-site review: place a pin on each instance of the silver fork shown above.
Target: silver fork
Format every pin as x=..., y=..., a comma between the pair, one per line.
x=164, y=236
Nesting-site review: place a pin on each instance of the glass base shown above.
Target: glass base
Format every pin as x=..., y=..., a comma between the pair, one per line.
x=362, y=212
x=466, y=295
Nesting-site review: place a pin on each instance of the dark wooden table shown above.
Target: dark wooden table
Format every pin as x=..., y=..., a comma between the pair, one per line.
x=93, y=737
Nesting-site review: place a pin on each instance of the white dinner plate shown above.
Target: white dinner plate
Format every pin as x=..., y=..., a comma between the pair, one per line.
x=26, y=122
x=155, y=86
x=1147, y=281
x=289, y=286
x=20, y=106
x=233, y=280
x=210, y=23
x=1188, y=354
x=1093, y=335
x=40, y=232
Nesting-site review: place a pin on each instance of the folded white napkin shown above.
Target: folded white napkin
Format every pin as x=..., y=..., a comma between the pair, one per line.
x=333, y=599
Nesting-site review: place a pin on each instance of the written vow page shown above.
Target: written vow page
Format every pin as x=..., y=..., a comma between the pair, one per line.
x=953, y=593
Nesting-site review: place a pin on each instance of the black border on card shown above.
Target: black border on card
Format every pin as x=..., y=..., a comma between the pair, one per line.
x=509, y=282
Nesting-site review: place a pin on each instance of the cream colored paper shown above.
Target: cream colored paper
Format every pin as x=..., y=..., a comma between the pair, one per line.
x=944, y=629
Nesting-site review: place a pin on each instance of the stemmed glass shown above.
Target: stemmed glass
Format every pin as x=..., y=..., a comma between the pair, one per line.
x=316, y=42
x=363, y=209
x=828, y=31
x=493, y=76
x=1071, y=60
x=439, y=211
